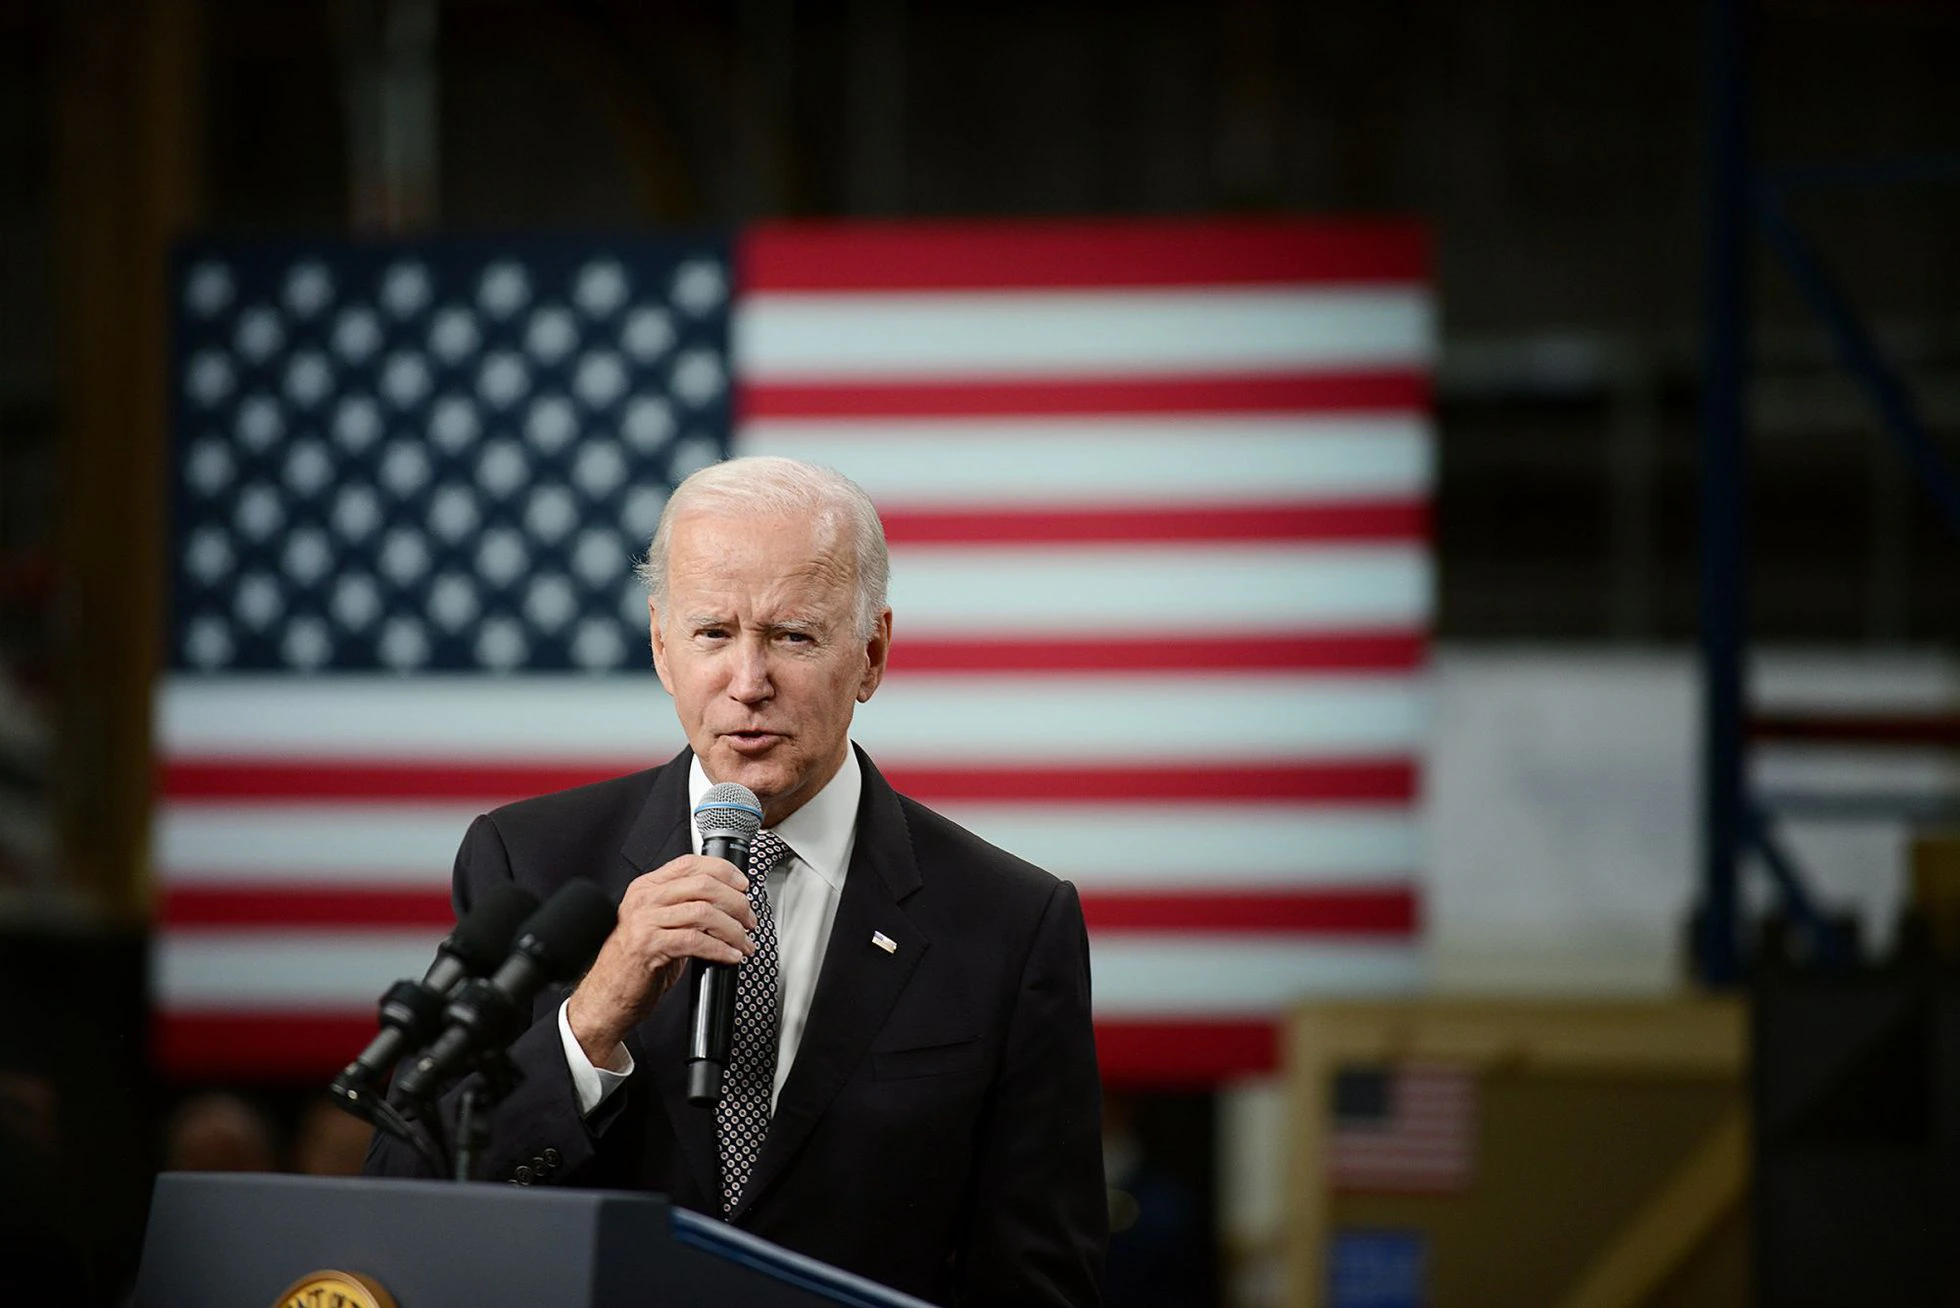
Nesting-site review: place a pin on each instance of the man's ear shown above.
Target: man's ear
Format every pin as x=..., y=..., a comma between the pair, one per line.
x=659, y=641
x=877, y=653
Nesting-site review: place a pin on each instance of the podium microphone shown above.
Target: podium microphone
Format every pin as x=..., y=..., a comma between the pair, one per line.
x=411, y=1012
x=555, y=943
x=727, y=817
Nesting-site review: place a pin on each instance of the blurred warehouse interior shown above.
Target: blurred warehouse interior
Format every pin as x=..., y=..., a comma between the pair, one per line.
x=1558, y=154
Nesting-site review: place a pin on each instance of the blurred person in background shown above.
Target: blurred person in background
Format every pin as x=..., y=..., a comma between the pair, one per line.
x=218, y=1131
x=329, y=1141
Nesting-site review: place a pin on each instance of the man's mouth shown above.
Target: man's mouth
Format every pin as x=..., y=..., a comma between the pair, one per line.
x=751, y=739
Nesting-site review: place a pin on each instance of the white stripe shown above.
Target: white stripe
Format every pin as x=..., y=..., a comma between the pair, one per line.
x=1196, y=975
x=911, y=721
x=285, y=971
x=1083, y=461
x=788, y=336
x=1045, y=590
x=1098, y=846
x=303, y=844
x=1142, y=719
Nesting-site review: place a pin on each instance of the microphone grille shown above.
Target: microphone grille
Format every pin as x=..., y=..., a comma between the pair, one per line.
x=729, y=809
x=566, y=933
x=483, y=937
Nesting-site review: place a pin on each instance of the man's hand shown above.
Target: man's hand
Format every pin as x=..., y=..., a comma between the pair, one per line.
x=693, y=907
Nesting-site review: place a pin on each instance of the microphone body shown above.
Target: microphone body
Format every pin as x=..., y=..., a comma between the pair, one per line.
x=728, y=817
x=411, y=1012
x=486, y=1013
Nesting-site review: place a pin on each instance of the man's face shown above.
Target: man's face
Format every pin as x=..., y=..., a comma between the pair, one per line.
x=758, y=644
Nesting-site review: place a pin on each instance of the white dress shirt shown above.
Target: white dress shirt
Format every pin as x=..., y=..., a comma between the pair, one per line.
x=803, y=892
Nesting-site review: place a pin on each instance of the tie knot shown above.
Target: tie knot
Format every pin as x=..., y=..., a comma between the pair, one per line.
x=765, y=851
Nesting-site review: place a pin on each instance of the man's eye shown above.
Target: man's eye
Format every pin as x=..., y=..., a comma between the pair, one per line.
x=712, y=633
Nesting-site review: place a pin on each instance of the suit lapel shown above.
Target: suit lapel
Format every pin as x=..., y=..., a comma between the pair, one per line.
x=859, y=981
x=659, y=1044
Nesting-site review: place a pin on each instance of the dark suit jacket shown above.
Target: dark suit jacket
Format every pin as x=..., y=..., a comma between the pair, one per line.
x=939, y=1130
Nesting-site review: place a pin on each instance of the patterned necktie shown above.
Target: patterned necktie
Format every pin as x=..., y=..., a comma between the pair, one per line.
x=742, y=1113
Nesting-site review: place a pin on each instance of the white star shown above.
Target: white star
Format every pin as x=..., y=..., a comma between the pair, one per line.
x=454, y=334
x=598, y=558
x=356, y=602
x=600, y=380
x=405, y=468
x=549, y=602
x=452, y=601
x=452, y=513
x=598, y=646
x=258, y=512
x=207, y=290
x=259, y=333
x=502, y=469
x=308, y=469
x=405, y=379
x=551, y=334
x=208, y=554
x=693, y=454
x=697, y=377
x=500, y=644
x=601, y=288
x=210, y=467
x=207, y=642
x=501, y=556
x=699, y=286
x=404, y=556
x=356, y=423
x=307, y=556
x=641, y=512
x=260, y=423
x=453, y=423
x=503, y=289
x=257, y=601
x=208, y=378
x=599, y=469
x=356, y=334
x=550, y=514
x=356, y=513
x=404, y=645
x=308, y=288
x=551, y=424
x=405, y=289
x=307, y=644
x=502, y=379
x=648, y=334
x=648, y=424
x=308, y=378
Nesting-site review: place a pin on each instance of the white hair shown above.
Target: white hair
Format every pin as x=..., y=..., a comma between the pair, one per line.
x=769, y=485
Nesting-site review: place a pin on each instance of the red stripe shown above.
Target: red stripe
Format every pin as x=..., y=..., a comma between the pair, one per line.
x=295, y=1047
x=952, y=256
x=1317, y=911
x=1395, y=391
x=1383, y=651
x=1141, y=1054
x=1388, y=911
x=257, y=905
x=1392, y=520
x=257, y=1046
x=240, y=779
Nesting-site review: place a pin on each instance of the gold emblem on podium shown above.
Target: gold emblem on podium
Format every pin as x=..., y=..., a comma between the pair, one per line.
x=331, y=1289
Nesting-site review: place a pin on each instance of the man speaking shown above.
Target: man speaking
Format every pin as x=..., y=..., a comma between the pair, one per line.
x=911, y=1089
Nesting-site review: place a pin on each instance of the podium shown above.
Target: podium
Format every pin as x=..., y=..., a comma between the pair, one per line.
x=244, y=1240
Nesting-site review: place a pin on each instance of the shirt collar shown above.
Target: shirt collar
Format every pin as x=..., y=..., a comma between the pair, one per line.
x=821, y=832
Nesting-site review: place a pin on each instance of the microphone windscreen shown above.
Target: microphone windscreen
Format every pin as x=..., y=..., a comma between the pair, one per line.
x=729, y=809
x=565, y=935
x=486, y=933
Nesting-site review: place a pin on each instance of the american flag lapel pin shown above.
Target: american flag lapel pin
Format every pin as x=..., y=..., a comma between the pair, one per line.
x=884, y=942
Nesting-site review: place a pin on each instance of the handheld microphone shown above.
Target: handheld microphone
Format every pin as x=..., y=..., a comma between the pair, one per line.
x=411, y=1012
x=727, y=817
x=554, y=944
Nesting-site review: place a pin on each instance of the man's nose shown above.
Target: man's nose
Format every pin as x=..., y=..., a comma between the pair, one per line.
x=750, y=682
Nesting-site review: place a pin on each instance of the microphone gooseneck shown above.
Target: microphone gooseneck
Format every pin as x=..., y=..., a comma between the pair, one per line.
x=727, y=817
x=555, y=943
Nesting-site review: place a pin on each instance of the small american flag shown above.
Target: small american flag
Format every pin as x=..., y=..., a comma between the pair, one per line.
x=1408, y=1129
x=1157, y=496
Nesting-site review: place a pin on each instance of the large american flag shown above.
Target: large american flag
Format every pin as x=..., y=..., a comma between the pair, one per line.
x=1158, y=499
